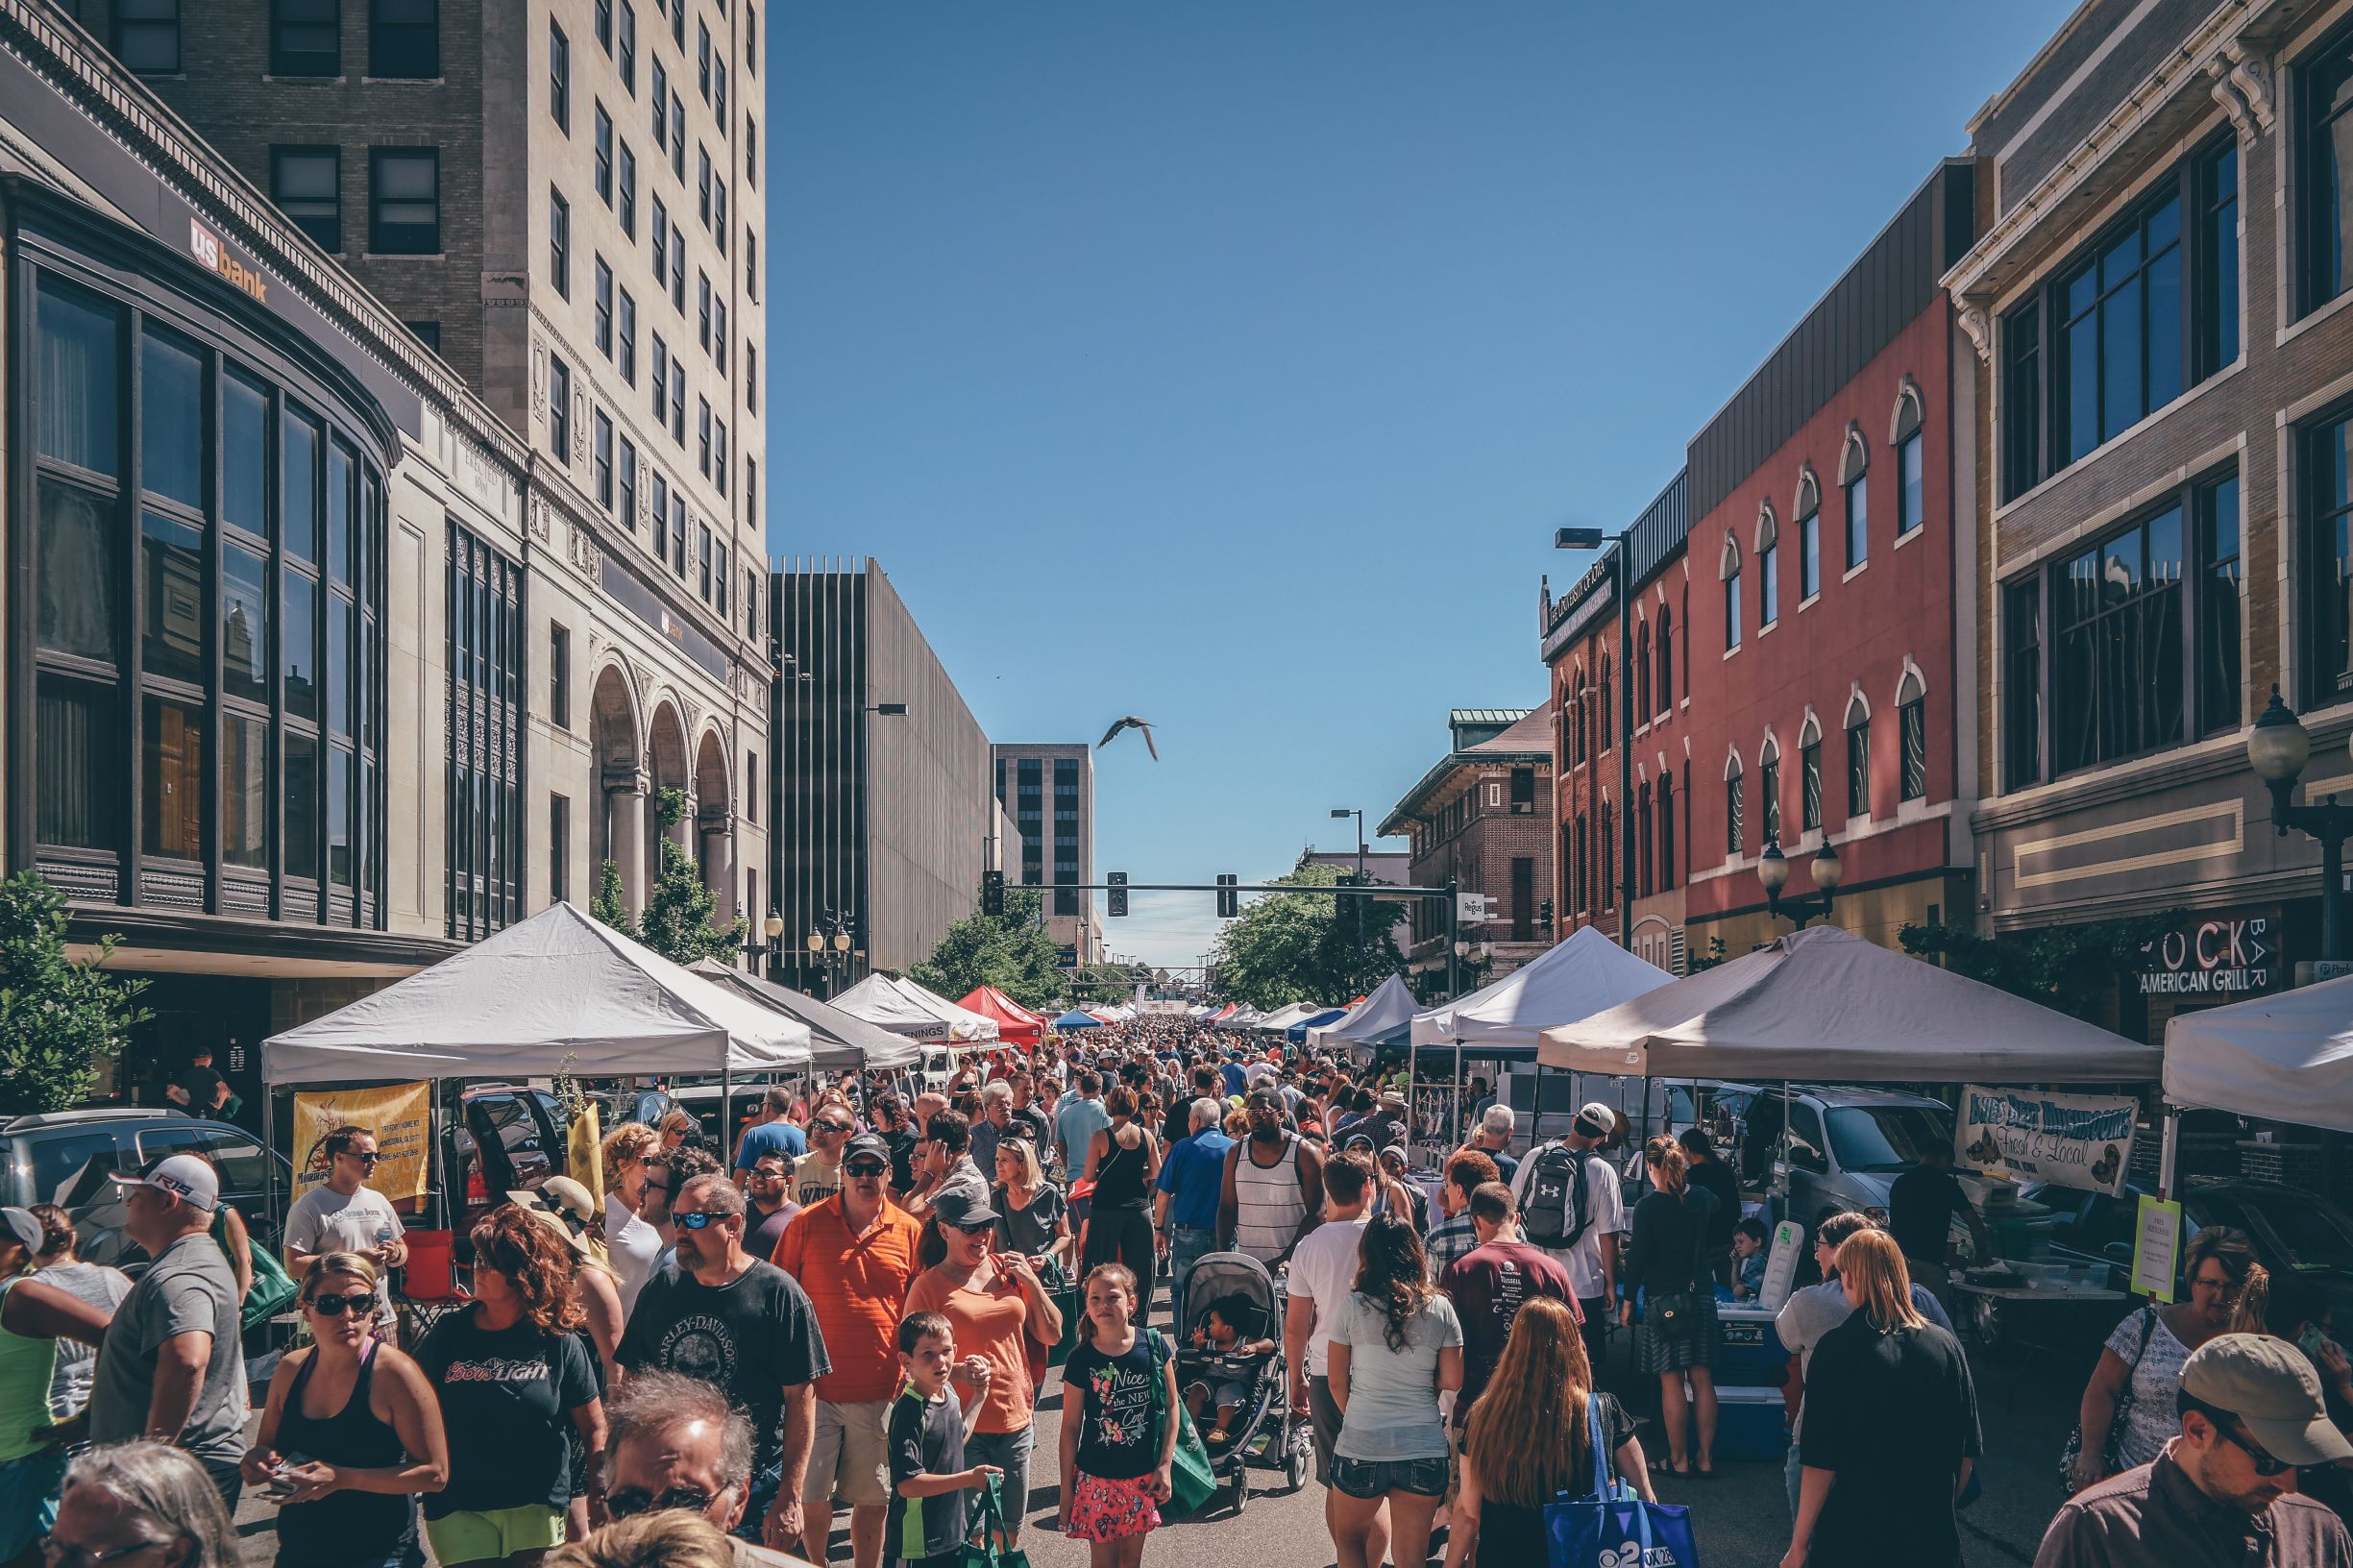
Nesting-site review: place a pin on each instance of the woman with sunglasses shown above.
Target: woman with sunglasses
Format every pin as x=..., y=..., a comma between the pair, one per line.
x=343, y=1213
x=514, y=1377
x=630, y=1244
x=350, y=1434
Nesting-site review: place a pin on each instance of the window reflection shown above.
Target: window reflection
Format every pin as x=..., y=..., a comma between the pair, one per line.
x=172, y=419
x=174, y=772
x=245, y=793
x=300, y=637
x=245, y=624
x=174, y=620
x=76, y=584
x=81, y=374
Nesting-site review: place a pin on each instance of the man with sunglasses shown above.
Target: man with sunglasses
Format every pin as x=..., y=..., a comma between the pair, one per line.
x=343, y=1213
x=2221, y=1490
x=742, y=1324
x=818, y=1174
x=675, y=1442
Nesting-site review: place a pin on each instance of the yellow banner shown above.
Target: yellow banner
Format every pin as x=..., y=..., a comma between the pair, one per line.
x=398, y=1115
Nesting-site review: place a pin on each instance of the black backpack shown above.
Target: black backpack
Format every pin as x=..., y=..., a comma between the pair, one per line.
x=1558, y=1206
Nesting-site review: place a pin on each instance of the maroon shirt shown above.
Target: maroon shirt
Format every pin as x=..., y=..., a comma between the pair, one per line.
x=1487, y=1285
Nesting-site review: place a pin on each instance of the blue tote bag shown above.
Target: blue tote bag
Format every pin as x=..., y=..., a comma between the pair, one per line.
x=1614, y=1528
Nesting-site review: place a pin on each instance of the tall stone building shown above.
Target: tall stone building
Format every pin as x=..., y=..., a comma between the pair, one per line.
x=1028, y=777
x=561, y=198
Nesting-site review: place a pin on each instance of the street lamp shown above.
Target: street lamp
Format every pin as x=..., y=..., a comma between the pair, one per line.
x=826, y=952
x=768, y=942
x=1340, y=814
x=1773, y=871
x=2277, y=750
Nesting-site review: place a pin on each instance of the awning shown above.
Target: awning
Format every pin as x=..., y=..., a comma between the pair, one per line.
x=882, y=1004
x=1014, y=1021
x=2284, y=1058
x=1391, y=1005
x=1298, y=1032
x=839, y=1041
x=1077, y=1019
x=560, y=993
x=963, y=1027
x=1586, y=975
x=1825, y=1005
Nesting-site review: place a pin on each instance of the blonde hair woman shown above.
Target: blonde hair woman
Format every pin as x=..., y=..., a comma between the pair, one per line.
x=630, y=1244
x=668, y=1539
x=676, y=1128
x=1891, y=1426
x=1031, y=1216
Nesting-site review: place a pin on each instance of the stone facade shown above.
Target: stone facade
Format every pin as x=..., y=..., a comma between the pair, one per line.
x=1480, y=819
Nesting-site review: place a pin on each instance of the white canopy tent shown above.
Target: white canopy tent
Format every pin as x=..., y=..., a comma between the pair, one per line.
x=1283, y=1017
x=1819, y=1003
x=2283, y=1058
x=1584, y=975
x=560, y=993
x=839, y=1041
x=881, y=1003
x=964, y=1025
x=1390, y=1006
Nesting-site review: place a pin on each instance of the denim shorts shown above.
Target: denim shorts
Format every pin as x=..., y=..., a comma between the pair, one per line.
x=1370, y=1479
x=29, y=1488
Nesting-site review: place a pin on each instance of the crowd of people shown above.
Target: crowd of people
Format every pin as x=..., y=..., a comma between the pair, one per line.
x=857, y=1308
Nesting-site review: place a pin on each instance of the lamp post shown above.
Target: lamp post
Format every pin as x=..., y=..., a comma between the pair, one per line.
x=1340, y=814
x=826, y=952
x=2277, y=750
x=768, y=945
x=1772, y=871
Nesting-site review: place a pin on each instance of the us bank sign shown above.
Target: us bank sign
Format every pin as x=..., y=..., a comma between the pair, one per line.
x=2213, y=958
x=207, y=247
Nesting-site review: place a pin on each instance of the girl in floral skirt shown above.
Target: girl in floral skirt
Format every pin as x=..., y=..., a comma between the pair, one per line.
x=1118, y=1434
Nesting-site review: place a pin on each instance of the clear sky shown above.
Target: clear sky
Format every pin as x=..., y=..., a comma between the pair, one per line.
x=1231, y=363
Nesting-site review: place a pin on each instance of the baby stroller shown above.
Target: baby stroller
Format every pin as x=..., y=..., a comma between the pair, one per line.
x=1265, y=1432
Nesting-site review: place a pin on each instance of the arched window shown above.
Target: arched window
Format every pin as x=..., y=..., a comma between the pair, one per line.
x=1666, y=661
x=1807, y=511
x=1852, y=478
x=1642, y=673
x=1735, y=836
x=1858, y=756
x=1606, y=896
x=1809, y=775
x=1769, y=789
x=1729, y=571
x=1642, y=841
x=1912, y=736
x=1609, y=711
x=1666, y=830
x=1904, y=434
x=1577, y=717
x=1768, y=567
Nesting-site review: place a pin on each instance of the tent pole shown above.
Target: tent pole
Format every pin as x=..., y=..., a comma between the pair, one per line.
x=1458, y=1091
x=269, y=1143
x=726, y=1116
x=2170, y=1153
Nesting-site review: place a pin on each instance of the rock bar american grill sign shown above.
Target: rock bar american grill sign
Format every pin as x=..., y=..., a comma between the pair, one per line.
x=2210, y=958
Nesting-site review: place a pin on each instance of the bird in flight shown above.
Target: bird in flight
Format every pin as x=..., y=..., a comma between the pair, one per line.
x=1131, y=721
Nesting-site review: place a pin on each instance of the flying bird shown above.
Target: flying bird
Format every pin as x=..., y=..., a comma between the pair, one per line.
x=1131, y=721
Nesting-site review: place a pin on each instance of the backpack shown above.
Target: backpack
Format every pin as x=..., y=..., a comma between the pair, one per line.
x=1560, y=1203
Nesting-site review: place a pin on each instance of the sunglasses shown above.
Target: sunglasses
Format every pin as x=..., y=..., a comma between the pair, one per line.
x=863, y=1168
x=368, y=1159
x=701, y=1220
x=631, y=1500
x=831, y=1126
x=2265, y=1464
x=978, y=1228
x=334, y=1306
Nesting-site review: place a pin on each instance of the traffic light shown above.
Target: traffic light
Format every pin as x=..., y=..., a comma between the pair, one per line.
x=1118, y=893
x=1229, y=901
x=993, y=893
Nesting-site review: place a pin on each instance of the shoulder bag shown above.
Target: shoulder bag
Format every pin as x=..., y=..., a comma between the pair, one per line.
x=1614, y=1528
x=1191, y=1482
x=2108, y=1455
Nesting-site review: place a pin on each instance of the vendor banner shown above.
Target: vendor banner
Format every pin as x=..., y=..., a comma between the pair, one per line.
x=397, y=1113
x=2081, y=1141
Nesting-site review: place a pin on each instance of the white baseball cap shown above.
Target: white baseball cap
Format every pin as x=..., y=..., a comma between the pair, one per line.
x=181, y=1175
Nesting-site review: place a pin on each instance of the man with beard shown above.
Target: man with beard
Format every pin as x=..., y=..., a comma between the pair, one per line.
x=1273, y=1189
x=723, y=1316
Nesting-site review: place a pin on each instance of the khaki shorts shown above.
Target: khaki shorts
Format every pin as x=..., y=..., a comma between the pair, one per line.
x=849, y=1457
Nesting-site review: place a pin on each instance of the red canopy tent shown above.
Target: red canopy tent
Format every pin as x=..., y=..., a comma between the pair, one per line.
x=1014, y=1021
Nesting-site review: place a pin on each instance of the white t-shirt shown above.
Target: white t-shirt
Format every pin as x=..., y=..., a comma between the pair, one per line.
x=1324, y=1272
x=326, y=1220
x=631, y=1247
x=1605, y=1204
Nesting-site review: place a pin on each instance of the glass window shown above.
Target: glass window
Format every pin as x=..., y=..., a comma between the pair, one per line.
x=75, y=744
x=2217, y=313
x=559, y=411
x=1769, y=798
x=305, y=38
x=77, y=579
x=628, y=191
x=677, y=136
x=245, y=457
x=405, y=39
x=172, y=642
x=339, y=815
x=299, y=644
x=660, y=97
x=1910, y=510
x=2328, y=572
x=80, y=371
x=1809, y=783
x=405, y=192
x=1912, y=724
x=605, y=156
x=342, y=516
x=2219, y=694
x=2117, y=683
x=603, y=308
x=559, y=78
x=245, y=624
x=1809, y=555
x=429, y=333
x=2022, y=618
x=1769, y=584
x=245, y=798
x=172, y=780
x=147, y=35
x=307, y=182
x=1733, y=826
x=2023, y=427
x=628, y=352
x=629, y=484
x=298, y=503
x=1731, y=611
x=600, y=456
x=2327, y=97
x=1858, y=765
x=559, y=242
x=626, y=47
x=1858, y=522
x=340, y=667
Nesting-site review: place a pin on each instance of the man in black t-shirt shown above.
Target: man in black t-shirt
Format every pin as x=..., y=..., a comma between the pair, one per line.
x=198, y=1090
x=1921, y=1203
x=720, y=1315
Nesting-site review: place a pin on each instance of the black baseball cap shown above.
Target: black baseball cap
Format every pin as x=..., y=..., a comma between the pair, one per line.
x=863, y=1146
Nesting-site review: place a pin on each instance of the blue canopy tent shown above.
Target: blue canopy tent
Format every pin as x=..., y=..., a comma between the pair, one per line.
x=1075, y=1019
x=1297, y=1033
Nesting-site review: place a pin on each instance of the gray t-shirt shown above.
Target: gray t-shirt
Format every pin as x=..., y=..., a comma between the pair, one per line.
x=326, y=1220
x=189, y=1289
x=96, y=1285
x=1393, y=1394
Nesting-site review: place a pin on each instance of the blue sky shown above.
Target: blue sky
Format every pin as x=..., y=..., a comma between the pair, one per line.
x=1232, y=363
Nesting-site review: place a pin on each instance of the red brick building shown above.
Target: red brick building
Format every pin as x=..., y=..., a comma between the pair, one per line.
x=1834, y=571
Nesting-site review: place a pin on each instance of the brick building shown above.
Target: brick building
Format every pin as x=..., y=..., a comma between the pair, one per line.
x=1833, y=590
x=1597, y=848
x=2161, y=491
x=1480, y=819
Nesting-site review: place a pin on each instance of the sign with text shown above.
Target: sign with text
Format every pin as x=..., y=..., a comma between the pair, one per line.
x=2079, y=1140
x=397, y=1113
x=2210, y=958
x=2156, y=1244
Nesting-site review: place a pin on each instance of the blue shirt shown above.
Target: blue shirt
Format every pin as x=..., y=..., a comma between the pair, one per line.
x=1234, y=1078
x=770, y=1137
x=1079, y=1121
x=1193, y=1176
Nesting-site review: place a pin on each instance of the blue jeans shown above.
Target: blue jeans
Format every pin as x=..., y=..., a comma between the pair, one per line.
x=764, y=1484
x=1187, y=1245
x=1790, y=1470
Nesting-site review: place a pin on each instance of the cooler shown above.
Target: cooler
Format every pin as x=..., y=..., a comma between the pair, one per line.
x=1750, y=1423
x=1749, y=1352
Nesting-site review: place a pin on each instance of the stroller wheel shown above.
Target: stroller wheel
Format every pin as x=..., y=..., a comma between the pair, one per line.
x=1241, y=1488
x=1297, y=1446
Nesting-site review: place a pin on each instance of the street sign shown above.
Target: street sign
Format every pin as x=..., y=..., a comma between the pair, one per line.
x=1470, y=907
x=2329, y=969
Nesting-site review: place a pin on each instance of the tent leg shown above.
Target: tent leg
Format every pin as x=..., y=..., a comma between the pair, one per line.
x=2169, y=1153
x=269, y=1144
x=726, y=1118
x=1457, y=1091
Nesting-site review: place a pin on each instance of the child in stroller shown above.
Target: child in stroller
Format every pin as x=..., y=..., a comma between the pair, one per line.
x=1233, y=1354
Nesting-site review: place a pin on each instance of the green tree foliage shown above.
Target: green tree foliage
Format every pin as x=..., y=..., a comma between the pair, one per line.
x=611, y=904
x=1307, y=946
x=59, y=1020
x=678, y=922
x=1011, y=951
x=2073, y=969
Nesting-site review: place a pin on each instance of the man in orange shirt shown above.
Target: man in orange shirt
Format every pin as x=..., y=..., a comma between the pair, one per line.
x=854, y=1254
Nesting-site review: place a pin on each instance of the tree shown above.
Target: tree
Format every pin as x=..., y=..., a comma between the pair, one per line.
x=2071, y=968
x=1289, y=947
x=611, y=904
x=59, y=1020
x=678, y=922
x=1011, y=951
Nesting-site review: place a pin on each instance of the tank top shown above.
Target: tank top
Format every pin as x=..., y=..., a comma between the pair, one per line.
x=26, y=1366
x=343, y=1527
x=1268, y=1205
x=1119, y=1181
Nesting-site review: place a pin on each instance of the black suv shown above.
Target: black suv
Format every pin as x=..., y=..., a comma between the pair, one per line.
x=65, y=1158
